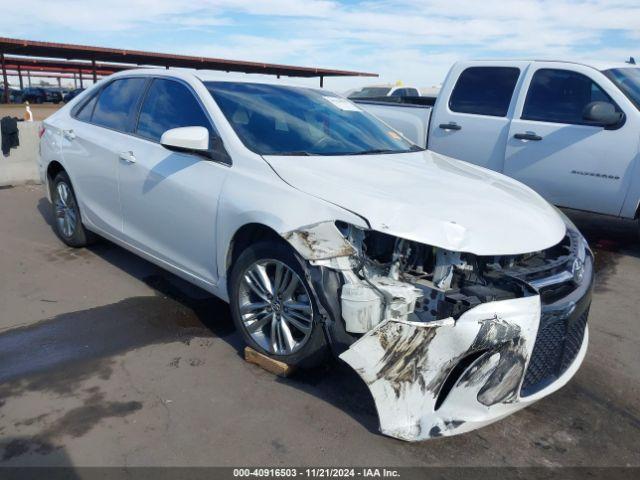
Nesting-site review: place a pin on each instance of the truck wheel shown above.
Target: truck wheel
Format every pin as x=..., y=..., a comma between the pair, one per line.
x=273, y=307
x=67, y=222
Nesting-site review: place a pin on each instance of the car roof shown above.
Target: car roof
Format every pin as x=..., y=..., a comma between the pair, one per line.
x=206, y=76
x=596, y=64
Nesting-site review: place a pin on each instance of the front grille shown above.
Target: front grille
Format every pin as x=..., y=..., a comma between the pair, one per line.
x=558, y=342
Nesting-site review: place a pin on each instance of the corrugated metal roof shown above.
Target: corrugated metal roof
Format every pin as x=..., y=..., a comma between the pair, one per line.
x=33, y=48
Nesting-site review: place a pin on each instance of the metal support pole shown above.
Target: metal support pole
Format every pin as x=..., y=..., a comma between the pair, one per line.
x=59, y=82
x=321, y=81
x=95, y=75
x=75, y=80
x=29, y=77
x=4, y=79
x=80, y=75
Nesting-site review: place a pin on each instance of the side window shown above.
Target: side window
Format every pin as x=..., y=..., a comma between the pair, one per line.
x=116, y=107
x=169, y=104
x=86, y=110
x=560, y=96
x=484, y=91
x=400, y=92
x=412, y=92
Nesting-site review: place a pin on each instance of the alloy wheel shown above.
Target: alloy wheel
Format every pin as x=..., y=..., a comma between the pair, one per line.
x=66, y=211
x=275, y=307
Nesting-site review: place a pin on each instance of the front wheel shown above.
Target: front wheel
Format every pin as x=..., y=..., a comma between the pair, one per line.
x=273, y=307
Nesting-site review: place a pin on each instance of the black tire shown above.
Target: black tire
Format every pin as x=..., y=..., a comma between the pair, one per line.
x=80, y=236
x=312, y=353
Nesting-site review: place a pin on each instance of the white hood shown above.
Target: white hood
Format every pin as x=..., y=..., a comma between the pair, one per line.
x=431, y=199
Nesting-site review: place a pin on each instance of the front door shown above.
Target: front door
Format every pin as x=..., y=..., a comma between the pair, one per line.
x=555, y=151
x=170, y=199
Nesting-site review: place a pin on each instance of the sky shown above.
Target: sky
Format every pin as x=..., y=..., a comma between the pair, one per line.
x=412, y=41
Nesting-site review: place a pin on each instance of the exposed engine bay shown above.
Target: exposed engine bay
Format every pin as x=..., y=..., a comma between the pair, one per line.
x=417, y=282
x=450, y=341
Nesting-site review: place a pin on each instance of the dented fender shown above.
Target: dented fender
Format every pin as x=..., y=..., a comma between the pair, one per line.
x=319, y=241
x=408, y=367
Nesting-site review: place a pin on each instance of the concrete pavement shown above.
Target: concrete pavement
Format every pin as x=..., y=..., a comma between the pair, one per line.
x=106, y=359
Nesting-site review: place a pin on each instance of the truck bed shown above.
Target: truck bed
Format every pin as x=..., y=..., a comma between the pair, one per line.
x=409, y=118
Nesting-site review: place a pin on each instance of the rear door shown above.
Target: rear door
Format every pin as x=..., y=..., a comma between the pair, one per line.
x=170, y=199
x=472, y=113
x=92, y=139
x=562, y=157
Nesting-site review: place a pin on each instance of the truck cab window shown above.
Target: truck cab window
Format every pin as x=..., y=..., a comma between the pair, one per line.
x=484, y=91
x=560, y=96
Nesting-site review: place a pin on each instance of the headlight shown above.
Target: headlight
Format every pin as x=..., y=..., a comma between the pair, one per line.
x=583, y=246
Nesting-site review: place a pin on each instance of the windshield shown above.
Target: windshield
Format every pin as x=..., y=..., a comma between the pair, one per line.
x=371, y=92
x=279, y=120
x=627, y=80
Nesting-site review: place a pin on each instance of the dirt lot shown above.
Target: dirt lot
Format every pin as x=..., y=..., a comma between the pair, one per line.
x=107, y=360
x=40, y=112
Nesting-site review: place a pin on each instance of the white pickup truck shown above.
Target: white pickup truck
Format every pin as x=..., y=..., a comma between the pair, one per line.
x=571, y=131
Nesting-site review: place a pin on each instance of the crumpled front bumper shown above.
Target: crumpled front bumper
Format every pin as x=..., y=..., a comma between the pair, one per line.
x=448, y=377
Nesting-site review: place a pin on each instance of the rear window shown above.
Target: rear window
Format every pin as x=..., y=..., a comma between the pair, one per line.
x=484, y=91
x=116, y=107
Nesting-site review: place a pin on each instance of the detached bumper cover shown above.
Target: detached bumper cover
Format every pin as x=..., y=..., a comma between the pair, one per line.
x=414, y=369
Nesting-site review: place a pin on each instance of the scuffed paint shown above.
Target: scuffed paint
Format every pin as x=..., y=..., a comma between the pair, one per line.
x=320, y=241
x=505, y=380
x=405, y=355
x=405, y=365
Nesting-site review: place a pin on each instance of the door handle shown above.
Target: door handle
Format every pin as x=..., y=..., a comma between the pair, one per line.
x=69, y=134
x=450, y=126
x=528, y=136
x=128, y=157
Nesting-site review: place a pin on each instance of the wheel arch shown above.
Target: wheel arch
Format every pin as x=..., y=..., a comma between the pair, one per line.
x=248, y=234
x=53, y=168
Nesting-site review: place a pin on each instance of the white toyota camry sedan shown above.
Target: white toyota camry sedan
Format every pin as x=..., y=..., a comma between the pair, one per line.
x=457, y=294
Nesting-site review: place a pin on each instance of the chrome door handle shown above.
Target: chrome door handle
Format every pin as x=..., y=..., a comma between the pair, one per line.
x=128, y=157
x=69, y=134
x=528, y=136
x=450, y=126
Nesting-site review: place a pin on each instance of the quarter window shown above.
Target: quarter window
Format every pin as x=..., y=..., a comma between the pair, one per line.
x=169, y=104
x=484, y=91
x=116, y=107
x=560, y=96
x=86, y=110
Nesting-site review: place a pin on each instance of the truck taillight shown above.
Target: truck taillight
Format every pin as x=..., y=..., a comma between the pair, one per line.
x=41, y=131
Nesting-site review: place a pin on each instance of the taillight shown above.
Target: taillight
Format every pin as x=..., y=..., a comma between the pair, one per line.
x=41, y=131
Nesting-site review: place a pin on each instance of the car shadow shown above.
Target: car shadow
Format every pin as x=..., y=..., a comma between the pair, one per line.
x=179, y=311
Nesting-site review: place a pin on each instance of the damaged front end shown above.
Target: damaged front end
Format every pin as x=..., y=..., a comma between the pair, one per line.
x=449, y=341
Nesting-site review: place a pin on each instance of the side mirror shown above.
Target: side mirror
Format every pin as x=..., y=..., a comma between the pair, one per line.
x=602, y=113
x=186, y=139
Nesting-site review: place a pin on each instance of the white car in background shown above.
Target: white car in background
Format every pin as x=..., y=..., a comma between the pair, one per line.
x=385, y=91
x=457, y=294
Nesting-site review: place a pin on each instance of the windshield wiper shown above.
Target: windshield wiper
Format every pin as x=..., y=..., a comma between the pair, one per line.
x=300, y=153
x=413, y=148
x=373, y=152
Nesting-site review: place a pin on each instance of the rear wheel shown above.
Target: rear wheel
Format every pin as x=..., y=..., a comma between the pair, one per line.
x=273, y=307
x=67, y=222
